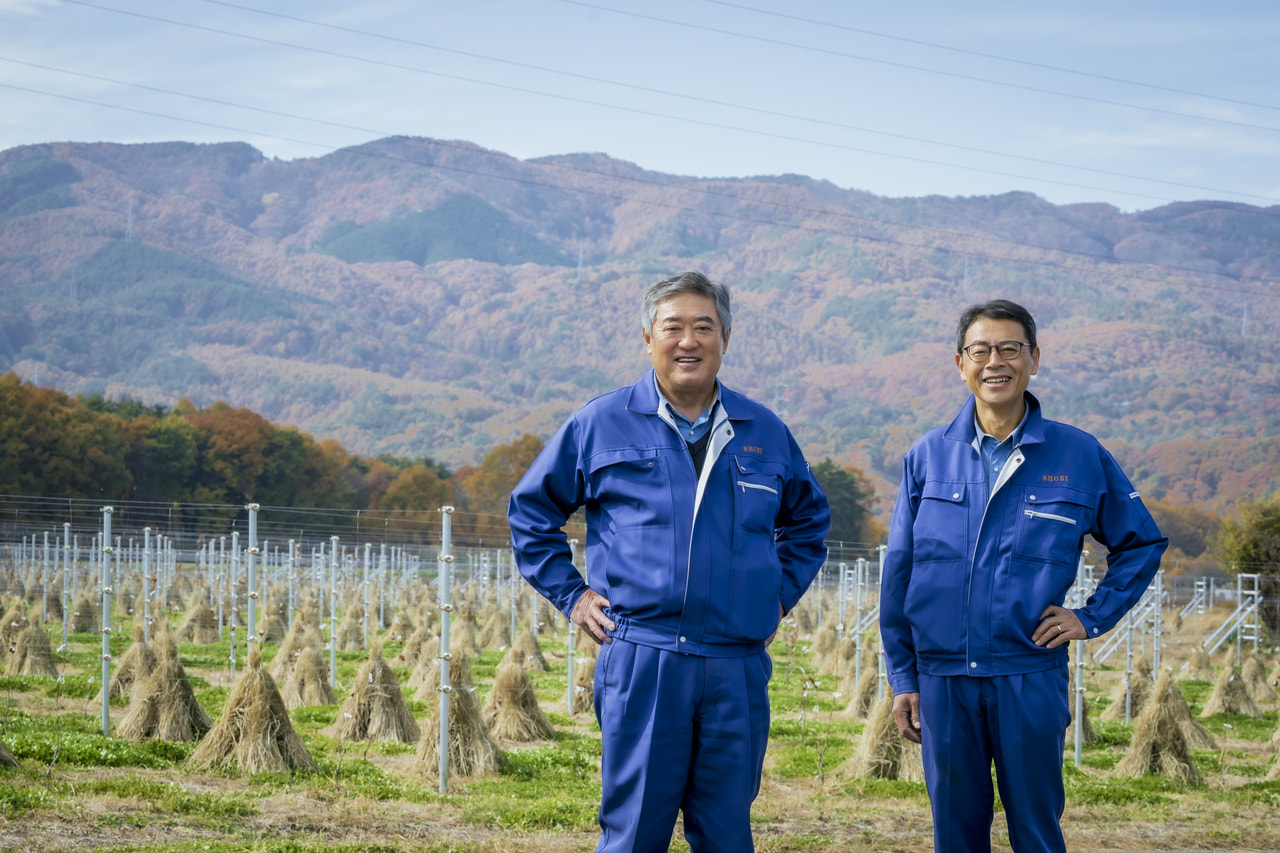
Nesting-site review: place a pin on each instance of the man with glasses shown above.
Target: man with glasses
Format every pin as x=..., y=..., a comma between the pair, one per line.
x=983, y=547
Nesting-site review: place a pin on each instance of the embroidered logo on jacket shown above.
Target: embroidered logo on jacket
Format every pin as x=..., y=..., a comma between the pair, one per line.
x=751, y=448
x=1053, y=478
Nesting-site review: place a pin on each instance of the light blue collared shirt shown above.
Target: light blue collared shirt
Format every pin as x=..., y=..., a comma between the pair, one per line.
x=690, y=431
x=995, y=454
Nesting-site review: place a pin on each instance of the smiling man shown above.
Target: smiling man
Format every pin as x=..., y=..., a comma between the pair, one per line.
x=704, y=527
x=983, y=547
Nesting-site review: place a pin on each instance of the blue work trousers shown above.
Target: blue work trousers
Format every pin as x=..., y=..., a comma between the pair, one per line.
x=680, y=733
x=1017, y=721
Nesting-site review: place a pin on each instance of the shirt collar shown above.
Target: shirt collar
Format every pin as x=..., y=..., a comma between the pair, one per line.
x=704, y=417
x=1014, y=438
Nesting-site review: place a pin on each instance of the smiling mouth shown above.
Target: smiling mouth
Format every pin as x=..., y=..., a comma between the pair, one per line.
x=997, y=380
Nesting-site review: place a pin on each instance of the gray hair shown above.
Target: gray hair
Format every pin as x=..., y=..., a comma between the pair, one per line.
x=686, y=282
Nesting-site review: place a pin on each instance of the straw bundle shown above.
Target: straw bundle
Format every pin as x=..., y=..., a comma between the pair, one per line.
x=303, y=633
x=7, y=758
x=1254, y=676
x=32, y=653
x=271, y=627
x=351, y=632
x=1159, y=745
x=464, y=636
x=496, y=633
x=1140, y=685
x=254, y=733
x=375, y=710
x=1199, y=666
x=824, y=642
x=427, y=672
x=840, y=659
x=1230, y=696
x=15, y=622
x=427, y=676
x=511, y=712
x=1088, y=734
x=471, y=751
x=162, y=705
x=862, y=693
x=584, y=680
x=138, y=661
x=412, y=647
x=308, y=682
x=1273, y=775
x=401, y=626
x=85, y=617
x=528, y=653
x=882, y=753
x=200, y=624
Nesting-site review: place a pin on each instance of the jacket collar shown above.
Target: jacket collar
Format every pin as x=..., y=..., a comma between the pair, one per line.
x=961, y=428
x=644, y=399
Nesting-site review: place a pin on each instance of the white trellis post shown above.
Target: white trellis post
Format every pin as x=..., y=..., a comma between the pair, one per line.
x=445, y=580
x=104, y=575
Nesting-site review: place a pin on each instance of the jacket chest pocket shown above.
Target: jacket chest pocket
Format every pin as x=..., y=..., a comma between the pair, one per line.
x=631, y=487
x=941, y=529
x=757, y=493
x=1052, y=523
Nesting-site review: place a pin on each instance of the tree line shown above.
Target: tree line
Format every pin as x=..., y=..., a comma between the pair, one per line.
x=56, y=445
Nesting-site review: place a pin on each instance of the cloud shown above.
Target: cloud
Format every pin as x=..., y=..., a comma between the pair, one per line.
x=24, y=7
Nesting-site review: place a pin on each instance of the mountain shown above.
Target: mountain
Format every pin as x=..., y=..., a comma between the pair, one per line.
x=426, y=297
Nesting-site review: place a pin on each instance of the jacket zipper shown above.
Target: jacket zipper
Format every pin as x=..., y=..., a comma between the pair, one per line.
x=1031, y=513
x=759, y=486
x=1016, y=460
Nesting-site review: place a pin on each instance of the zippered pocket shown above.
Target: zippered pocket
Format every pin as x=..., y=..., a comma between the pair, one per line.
x=1031, y=513
x=745, y=485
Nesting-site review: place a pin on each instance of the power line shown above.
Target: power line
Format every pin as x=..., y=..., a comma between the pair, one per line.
x=908, y=67
x=982, y=55
x=692, y=121
x=743, y=107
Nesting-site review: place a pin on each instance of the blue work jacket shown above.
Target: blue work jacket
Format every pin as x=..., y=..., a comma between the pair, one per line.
x=699, y=565
x=966, y=578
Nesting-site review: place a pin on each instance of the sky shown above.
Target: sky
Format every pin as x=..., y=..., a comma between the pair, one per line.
x=1136, y=104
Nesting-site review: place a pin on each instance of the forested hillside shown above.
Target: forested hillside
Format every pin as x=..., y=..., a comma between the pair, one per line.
x=420, y=298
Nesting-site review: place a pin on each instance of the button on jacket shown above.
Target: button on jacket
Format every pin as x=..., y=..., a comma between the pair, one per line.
x=966, y=578
x=688, y=564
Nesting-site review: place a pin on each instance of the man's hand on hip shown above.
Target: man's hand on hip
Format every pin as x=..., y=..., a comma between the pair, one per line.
x=588, y=614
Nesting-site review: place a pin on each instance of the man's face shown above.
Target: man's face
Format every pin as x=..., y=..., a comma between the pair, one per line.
x=997, y=382
x=686, y=345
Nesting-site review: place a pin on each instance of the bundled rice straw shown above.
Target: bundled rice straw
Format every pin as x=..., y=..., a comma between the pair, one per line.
x=584, y=679
x=7, y=758
x=1159, y=745
x=824, y=642
x=412, y=647
x=471, y=751
x=85, y=617
x=15, y=622
x=137, y=662
x=200, y=624
x=862, y=694
x=162, y=704
x=1198, y=666
x=1140, y=684
x=464, y=637
x=308, y=683
x=511, y=711
x=882, y=753
x=401, y=626
x=254, y=734
x=375, y=710
x=426, y=675
x=32, y=653
x=528, y=652
x=1088, y=734
x=496, y=633
x=1230, y=696
x=303, y=633
x=1254, y=676
x=351, y=631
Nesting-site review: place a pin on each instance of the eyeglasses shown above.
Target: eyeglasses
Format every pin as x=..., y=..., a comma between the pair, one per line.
x=1009, y=350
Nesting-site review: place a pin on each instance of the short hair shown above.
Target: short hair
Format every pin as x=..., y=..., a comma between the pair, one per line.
x=996, y=309
x=686, y=282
